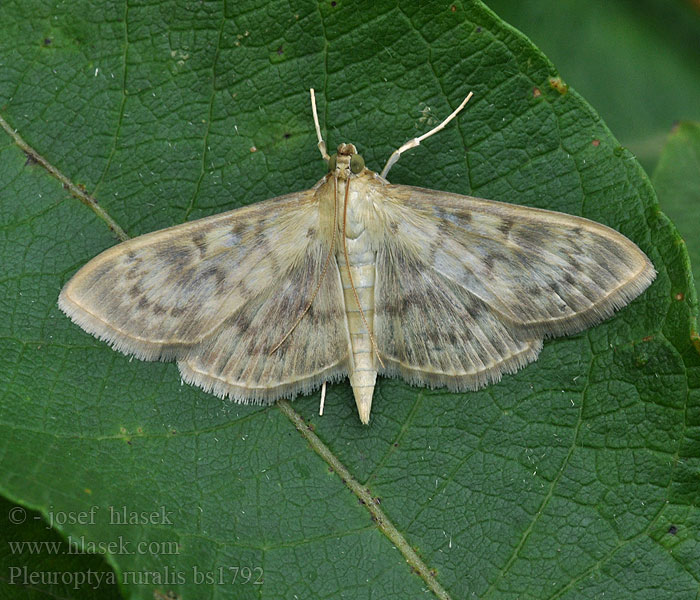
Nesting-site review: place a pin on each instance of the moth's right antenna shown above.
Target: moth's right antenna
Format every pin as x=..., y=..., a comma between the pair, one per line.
x=416, y=141
x=321, y=143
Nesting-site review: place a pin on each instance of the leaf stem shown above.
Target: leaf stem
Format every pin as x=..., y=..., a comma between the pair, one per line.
x=365, y=497
x=75, y=190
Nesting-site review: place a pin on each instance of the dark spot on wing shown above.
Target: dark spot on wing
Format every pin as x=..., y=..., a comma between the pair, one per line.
x=287, y=305
x=237, y=228
x=606, y=266
x=243, y=321
x=213, y=272
x=395, y=307
x=464, y=217
x=612, y=248
x=134, y=272
x=158, y=309
x=135, y=291
x=500, y=256
x=176, y=257
x=100, y=272
x=434, y=336
x=527, y=262
x=575, y=263
x=570, y=279
x=560, y=302
x=505, y=227
x=533, y=236
x=260, y=227
x=456, y=341
x=475, y=308
x=200, y=241
x=437, y=241
x=220, y=277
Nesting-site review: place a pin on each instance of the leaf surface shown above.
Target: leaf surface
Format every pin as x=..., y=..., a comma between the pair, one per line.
x=575, y=478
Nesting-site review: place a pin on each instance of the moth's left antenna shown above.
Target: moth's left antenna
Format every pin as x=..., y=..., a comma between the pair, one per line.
x=321, y=143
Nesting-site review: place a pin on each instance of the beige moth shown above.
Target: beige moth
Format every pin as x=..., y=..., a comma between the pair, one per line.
x=355, y=277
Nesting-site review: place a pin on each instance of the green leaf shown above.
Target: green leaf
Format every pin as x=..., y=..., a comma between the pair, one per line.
x=575, y=478
x=677, y=183
x=636, y=61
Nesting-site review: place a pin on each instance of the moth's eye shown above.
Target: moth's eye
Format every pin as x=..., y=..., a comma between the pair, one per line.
x=332, y=162
x=357, y=163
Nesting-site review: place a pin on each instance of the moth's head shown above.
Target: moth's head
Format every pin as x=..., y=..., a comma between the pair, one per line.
x=346, y=162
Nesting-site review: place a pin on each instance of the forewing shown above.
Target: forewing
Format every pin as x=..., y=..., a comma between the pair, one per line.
x=544, y=273
x=165, y=291
x=218, y=295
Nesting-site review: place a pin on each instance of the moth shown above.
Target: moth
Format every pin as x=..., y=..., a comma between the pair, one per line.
x=352, y=278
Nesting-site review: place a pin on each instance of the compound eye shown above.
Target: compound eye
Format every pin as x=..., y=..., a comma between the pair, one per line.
x=357, y=163
x=332, y=162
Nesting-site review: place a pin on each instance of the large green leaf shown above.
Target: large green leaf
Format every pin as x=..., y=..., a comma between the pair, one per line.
x=575, y=478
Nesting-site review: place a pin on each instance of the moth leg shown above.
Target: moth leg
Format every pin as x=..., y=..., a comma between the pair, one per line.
x=321, y=143
x=416, y=141
x=323, y=399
